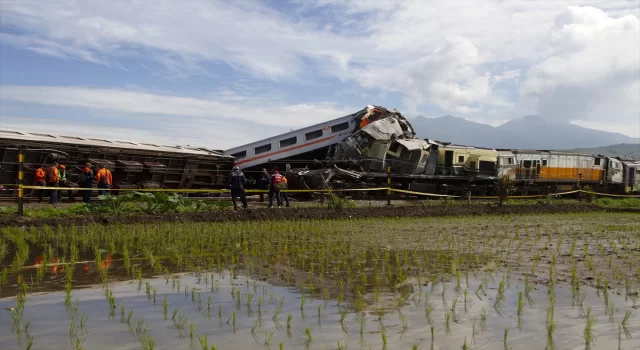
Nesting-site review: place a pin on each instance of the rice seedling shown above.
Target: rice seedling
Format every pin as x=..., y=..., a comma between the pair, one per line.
x=588, y=329
x=447, y=318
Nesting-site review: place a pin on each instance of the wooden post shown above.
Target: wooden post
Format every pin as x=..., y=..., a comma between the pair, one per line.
x=20, y=180
x=389, y=184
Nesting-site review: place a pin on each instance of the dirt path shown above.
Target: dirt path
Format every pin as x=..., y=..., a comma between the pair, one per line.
x=303, y=213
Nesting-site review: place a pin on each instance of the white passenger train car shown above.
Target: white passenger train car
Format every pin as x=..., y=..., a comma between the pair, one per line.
x=293, y=143
x=313, y=139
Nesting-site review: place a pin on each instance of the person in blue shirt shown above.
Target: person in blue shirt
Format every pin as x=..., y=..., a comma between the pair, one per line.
x=236, y=182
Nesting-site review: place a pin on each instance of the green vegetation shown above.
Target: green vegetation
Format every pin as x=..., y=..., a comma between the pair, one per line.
x=381, y=279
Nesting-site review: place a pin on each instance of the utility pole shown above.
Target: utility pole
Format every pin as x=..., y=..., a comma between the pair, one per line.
x=20, y=180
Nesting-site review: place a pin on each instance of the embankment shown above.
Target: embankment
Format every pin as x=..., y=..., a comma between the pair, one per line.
x=308, y=213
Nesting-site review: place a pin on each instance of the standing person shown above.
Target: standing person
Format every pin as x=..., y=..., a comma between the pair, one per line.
x=103, y=176
x=40, y=181
x=86, y=181
x=53, y=181
x=236, y=182
x=276, y=186
x=263, y=183
x=64, y=182
x=285, y=197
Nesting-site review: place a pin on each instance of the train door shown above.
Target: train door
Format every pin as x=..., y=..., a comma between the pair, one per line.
x=448, y=162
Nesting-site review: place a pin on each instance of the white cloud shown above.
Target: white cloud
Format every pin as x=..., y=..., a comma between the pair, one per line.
x=219, y=123
x=446, y=77
x=456, y=55
x=593, y=72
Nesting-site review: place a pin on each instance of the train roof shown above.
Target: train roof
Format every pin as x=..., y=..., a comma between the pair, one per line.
x=100, y=142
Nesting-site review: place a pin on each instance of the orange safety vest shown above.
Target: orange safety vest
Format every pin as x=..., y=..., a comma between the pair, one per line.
x=284, y=179
x=104, y=173
x=40, y=175
x=54, y=176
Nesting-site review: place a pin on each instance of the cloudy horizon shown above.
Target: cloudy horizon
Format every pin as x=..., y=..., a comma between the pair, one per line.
x=220, y=74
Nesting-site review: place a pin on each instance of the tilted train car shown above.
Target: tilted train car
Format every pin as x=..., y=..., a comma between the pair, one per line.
x=133, y=165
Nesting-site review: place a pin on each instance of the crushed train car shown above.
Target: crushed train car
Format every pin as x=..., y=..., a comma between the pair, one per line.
x=133, y=164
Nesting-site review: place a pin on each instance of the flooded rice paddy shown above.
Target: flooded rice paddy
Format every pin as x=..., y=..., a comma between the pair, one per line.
x=491, y=282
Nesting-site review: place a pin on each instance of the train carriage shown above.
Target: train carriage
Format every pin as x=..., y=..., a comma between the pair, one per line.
x=133, y=164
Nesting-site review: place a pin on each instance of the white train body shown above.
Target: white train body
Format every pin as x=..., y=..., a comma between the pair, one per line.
x=309, y=139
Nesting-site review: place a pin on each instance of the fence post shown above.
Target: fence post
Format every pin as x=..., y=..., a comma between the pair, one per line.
x=20, y=180
x=388, y=183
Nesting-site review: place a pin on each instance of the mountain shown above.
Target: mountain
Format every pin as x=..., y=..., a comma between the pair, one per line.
x=619, y=150
x=533, y=132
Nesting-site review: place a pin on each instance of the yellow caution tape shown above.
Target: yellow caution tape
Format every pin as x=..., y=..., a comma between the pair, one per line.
x=196, y=190
x=322, y=191
x=423, y=193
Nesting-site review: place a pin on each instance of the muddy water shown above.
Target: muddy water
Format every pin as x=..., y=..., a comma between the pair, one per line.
x=107, y=328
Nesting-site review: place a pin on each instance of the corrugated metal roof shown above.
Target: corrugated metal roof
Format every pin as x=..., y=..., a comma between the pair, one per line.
x=47, y=137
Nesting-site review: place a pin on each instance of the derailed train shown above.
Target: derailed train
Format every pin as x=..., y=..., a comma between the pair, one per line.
x=133, y=165
x=361, y=150
x=374, y=145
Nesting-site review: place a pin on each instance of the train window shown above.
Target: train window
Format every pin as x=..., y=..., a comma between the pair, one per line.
x=239, y=155
x=394, y=147
x=460, y=159
x=527, y=164
x=597, y=161
x=510, y=160
x=72, y=138
x=262, y=149
x=544, y=162
x=313, y=135
x=340, y=127
x=288, y=142
x=43, y=135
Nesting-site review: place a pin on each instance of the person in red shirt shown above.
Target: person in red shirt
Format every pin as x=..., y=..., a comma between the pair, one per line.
x=276, y=185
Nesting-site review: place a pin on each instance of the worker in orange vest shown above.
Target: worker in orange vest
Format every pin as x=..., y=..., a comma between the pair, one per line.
x=53, y=180
x=104, y=178
x=285, y=197
x=40, y=181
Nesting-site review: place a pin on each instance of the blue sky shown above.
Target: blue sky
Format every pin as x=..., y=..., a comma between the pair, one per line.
x=223, y=73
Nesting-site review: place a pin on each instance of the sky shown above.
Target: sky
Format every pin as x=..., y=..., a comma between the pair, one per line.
x=220, y=74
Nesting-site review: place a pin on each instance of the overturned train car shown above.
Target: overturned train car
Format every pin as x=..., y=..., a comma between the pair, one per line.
x=133, y=165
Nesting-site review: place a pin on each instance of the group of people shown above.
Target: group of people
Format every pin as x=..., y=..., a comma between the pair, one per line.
x=274, y=182
x=56, y=176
